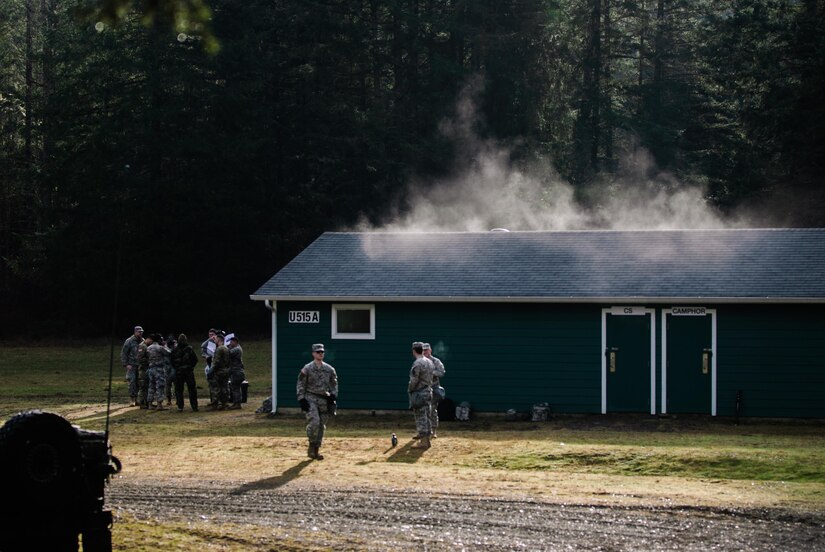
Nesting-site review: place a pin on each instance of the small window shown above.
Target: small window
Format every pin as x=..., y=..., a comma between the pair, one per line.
x=353, y=321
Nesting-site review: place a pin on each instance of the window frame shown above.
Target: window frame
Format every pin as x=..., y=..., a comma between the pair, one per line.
x=353, y=306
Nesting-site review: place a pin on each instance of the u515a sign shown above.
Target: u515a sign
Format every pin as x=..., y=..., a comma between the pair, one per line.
x=304, y=317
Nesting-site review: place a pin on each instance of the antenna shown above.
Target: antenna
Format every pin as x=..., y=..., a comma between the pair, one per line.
x=114, y=311
x=112, y=337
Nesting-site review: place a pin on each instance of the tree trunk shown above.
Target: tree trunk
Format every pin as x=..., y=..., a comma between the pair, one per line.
x=29, y=93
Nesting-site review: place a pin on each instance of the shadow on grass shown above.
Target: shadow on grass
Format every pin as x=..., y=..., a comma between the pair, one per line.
x=407, y=454
x=273, y=482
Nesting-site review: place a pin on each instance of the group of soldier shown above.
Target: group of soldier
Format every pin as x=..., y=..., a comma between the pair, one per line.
x=154, y=365
x=425, y=392
x=317, y=393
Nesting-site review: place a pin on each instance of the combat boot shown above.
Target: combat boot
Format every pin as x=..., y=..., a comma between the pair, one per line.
x=318, y=455
x=423, y=442
x=312, y=452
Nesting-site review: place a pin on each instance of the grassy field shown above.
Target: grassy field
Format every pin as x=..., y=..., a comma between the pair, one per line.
x=593, y=459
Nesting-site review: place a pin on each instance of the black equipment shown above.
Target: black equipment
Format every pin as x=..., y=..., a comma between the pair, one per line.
x=54, y=474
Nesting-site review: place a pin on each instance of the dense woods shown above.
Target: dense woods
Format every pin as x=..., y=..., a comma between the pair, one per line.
x=138, y=162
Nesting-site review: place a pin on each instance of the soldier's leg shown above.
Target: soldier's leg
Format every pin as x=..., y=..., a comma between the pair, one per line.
x=132, y=377
x=179, y=380
x=323, y=416
x=313, y=417
x=160, y=382
x=224, y=388
x=422, y=426
x=143, y=388
x=422, y=420
x=434, y=416
x=150, y=386
x=213, y=391
x=192, y=387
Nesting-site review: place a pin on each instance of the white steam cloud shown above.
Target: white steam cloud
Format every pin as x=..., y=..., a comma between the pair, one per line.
x=491, y=191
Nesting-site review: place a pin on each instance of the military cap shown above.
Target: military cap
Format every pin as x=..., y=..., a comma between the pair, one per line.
x=426, y=346
x=417, y=345
x=317, y=347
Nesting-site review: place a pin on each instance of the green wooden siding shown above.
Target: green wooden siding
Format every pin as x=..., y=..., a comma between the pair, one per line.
x=498, y=356
x=511, y=355
x=774, y=354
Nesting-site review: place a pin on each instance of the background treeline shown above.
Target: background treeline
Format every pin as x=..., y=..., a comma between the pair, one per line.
x=205, y=173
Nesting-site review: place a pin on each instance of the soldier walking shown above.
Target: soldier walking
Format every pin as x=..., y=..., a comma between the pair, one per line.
x=236, y=371
x=438, y=373
x=318, y=396
x=129, y=360
x=421, y=394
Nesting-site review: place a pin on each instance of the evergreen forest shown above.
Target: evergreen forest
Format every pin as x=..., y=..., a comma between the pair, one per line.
x=161, y=160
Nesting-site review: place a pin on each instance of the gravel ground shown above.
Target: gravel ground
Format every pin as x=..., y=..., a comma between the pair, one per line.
x=369, y=520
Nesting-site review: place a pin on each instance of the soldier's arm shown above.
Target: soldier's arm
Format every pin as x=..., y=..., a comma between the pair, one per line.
x=301, y=388
x=438, y=369
x=124, y=354
x=413, y=385
x=333, y=383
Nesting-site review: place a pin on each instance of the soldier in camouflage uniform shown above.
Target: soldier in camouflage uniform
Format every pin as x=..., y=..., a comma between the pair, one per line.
x=220, y=374
x=317, y=392
x=236, y=371
x=158, y=356
x=143, y=372
x=129, y=360
x=438, y=373
x=421, y=381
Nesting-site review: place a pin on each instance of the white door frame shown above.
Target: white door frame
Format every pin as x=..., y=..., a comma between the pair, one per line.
x=634, y=310
x=712, y=313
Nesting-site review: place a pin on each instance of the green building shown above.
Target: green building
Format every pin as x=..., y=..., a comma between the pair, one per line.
x=718, y=322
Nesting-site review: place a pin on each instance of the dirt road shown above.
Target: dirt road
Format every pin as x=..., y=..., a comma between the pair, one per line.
x=363, y=519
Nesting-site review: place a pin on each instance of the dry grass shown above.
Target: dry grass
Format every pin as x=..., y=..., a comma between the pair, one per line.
x=258, y=451
x=574, y=460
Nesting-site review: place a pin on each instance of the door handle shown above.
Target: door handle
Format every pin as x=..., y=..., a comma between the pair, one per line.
x=612, y=353
x=706, y=356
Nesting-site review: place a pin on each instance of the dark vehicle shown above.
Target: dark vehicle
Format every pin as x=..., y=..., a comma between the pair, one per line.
x=54, y=474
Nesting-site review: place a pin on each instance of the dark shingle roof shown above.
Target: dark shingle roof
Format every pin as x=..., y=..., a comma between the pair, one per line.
x=748, y=265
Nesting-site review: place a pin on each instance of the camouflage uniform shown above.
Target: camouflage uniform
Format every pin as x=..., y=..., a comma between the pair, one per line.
x=158, y=359
x=129, y=360
x=438, y=373
x=316, y=383
x=236, y=374
x=143, y=375
x=421, y=377
x=220, y=377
